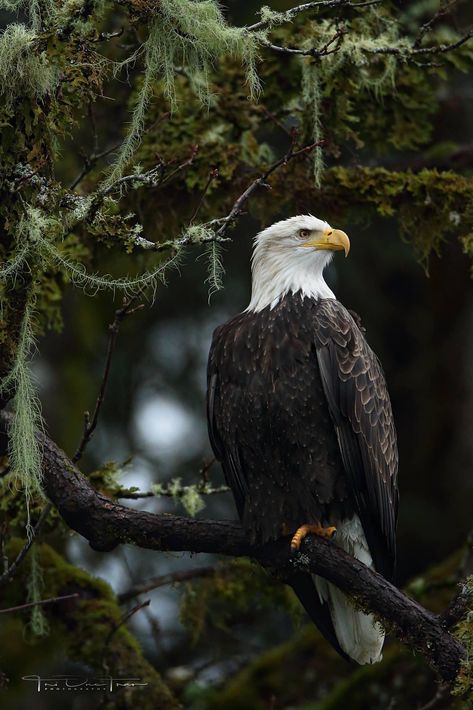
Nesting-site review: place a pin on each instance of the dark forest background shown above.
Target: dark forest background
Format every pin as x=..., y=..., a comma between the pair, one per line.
x=210, y=648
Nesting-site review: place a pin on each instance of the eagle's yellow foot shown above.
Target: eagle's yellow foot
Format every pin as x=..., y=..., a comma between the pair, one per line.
x=313, y=529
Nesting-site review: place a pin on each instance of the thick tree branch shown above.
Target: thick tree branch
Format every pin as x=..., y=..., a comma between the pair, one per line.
x=106, y=524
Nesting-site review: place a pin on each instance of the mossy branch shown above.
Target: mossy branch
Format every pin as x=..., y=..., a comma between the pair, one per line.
x=106, y=524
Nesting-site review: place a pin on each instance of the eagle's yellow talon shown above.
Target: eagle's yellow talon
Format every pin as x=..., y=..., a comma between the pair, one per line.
x=313, y=529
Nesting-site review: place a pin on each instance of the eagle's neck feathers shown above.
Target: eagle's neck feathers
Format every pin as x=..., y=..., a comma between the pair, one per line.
x=277, y=273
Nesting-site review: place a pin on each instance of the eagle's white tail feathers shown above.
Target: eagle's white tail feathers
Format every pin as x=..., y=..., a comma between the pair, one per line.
x=359, y=634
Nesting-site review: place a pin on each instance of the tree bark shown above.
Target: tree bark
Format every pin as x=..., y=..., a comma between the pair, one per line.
x=106, y=524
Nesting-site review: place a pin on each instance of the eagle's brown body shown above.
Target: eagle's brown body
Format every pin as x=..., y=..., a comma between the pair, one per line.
x=300, y=417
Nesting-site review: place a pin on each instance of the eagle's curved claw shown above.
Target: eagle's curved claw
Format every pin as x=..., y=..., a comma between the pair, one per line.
x=310, y=528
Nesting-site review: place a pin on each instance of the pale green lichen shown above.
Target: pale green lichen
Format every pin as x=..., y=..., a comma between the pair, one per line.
x=273, y=17
x=216, y=270
x=35, y=586
x=191, y=35
x=189, y=496
x=375, y=71
x=212, y=252
x=38, y=12
x=311, y=94
x=92, y=283
x=23, y=67
x=24, y=449
x=192, y=501
x=35, y=249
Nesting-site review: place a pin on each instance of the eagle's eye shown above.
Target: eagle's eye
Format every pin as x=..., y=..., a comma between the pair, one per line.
x=304, y=233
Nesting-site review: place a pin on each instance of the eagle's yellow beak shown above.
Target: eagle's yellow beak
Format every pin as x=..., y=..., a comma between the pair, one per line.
x=331, y=239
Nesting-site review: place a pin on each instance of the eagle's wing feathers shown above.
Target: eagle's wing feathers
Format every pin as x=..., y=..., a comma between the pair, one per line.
x=228, y=456
x=359, y=404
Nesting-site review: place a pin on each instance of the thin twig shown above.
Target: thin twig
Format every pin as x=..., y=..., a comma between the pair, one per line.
x=165, y=579
x=8, y=574
x=320, y=5
x=122, y=621
x=427, y=26
x=113, y=329
x=324, y=51
x=212, y=175
x=152, y=620
x=41, y=602
x=261, y=182
x=436, y=49
x=90, y=162
x=167, y=178
x=204, y=471
x=404, y=53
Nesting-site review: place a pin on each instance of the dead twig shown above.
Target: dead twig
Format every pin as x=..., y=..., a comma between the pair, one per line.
x=427, y=26
x=113, y=329
x=122, y=621
x=261, y=181
x=8, y=574
x=212, y=175
x=41, y=602
x=165, y=579
x=305, y=7
x=90, y=162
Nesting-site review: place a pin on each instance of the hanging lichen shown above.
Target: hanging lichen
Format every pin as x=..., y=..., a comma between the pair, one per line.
x=39, y=12
x=24, y=450
x=357, y=53
x=191, y=35
x=312, y=97
x=38, y=622
x=216, y=269
x=24, y=69
x=92, y=283
x=36, y=249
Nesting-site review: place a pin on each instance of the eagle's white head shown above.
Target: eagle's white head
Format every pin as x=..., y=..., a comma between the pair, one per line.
x=290, y=256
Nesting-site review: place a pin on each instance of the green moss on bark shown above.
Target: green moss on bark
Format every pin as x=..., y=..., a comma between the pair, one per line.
x=81, y=628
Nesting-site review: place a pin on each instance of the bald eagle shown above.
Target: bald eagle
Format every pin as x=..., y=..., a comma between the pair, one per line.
x=300, y=418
